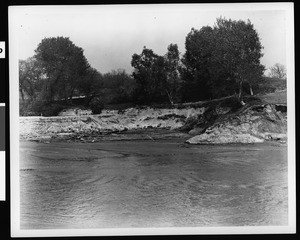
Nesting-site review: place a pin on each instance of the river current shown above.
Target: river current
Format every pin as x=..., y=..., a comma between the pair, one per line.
x=151, y=184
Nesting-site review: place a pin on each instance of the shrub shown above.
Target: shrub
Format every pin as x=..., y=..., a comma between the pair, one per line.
x=96, y=105
x=38, y=107
x=30, y=108
x=51, y=109
x=23, y=108
x=233, y=103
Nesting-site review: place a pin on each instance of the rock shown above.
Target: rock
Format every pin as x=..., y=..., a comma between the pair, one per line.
x=271, y=113
x=276, y=136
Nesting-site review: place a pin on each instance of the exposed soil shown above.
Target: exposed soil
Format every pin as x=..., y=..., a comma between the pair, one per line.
x=130, y=123
x=249, y=124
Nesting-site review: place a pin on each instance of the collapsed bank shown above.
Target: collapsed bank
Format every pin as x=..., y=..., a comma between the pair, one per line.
x=204, y=124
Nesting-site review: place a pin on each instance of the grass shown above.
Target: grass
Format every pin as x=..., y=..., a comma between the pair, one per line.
x=279, y=97
x=269, y=85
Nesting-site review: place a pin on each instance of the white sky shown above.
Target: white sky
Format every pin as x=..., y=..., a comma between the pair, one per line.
x=110, y=35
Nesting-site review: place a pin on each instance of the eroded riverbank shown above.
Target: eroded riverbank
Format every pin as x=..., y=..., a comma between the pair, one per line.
x=213, y=122
x=162, y=183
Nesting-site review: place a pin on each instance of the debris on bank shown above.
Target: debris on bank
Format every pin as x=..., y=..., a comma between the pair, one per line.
x=81, y=127
x=219, y=122
x=250, y=124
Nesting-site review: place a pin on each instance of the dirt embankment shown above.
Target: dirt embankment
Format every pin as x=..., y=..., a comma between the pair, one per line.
x=250, y=124
x=108, y=123
x=214, y=122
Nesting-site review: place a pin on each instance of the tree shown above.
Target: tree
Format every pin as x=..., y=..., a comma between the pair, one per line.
x=149, y=73
x=278, y=71
x=64, y=66
x=30, y=78
x=240, y=46
x=223, y=58
x=157, y=77
x=121, y=86
x=196, y=61
x=91, y=84
x=172, y=81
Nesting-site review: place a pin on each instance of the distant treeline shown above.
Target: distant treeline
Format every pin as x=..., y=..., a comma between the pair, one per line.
x=219, y=61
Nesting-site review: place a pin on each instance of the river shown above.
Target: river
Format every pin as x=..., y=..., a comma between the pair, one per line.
x=160, y=183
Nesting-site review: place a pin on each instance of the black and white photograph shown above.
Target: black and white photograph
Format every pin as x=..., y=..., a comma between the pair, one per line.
x=146, y=119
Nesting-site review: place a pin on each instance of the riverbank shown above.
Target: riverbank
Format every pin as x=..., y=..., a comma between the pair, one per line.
x=252, y=123
x=146, y=123
x=218, y=121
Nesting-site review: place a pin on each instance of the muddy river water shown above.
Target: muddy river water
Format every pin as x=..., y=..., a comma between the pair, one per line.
x=152, y=184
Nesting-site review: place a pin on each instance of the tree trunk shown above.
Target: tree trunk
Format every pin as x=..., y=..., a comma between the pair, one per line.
x=240, y=90
x=170, y=98
x=22, y=94
x=240, y=93
x=71, y=96
x=251, y=91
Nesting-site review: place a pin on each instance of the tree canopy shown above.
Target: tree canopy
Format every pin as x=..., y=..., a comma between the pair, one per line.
x=30, y=78
x=149, y=74
x=64, y=65
x=278, y=71
x=120, y=86
x=173, y=66
x=57, y=72
x=219, y=60
x=157, y=76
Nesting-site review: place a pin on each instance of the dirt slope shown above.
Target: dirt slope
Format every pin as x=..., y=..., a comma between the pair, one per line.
x=250, y=124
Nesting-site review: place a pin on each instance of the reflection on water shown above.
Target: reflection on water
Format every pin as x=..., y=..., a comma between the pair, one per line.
x=151, y=184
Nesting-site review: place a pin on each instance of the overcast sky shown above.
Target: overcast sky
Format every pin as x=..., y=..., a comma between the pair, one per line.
x=110, y=35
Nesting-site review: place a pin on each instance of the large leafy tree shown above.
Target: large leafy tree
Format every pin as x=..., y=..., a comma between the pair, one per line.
x=30, y=79
x=120, y=85
x=90, y=84
x=64, y=65
x=239, y=50
x=197, y=59
x=149, y=73
x=157, y=77
x=220, y=60
x=173, y=66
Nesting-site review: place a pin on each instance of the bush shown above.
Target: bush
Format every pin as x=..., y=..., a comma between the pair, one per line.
x=96, y=105
x=51, y=109
x=23, y=108
x=37, y=108
x=30, y=108
x=233, y=103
